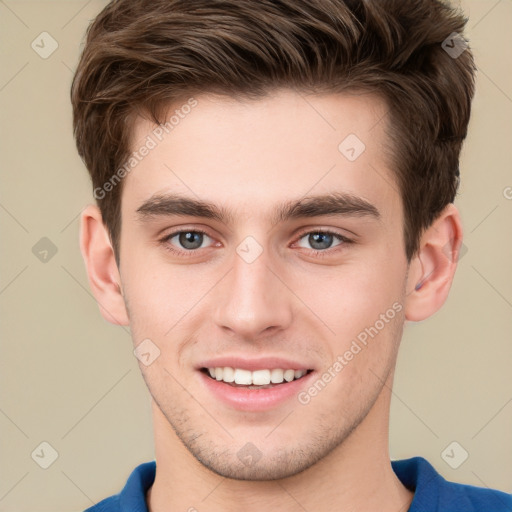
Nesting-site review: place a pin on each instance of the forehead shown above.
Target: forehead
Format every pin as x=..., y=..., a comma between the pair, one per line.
x=253, y=154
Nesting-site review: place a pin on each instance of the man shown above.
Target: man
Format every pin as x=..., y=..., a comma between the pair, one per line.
x=275, y=185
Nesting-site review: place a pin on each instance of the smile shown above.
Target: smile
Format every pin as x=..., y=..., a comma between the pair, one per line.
x=254, y=379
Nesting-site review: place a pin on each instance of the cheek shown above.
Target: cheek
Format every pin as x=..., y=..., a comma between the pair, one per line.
x=162, y=296
x=353, y=297
x=362, y=357
x=362, y=305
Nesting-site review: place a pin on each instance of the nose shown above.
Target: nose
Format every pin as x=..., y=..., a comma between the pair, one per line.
x=253, y=300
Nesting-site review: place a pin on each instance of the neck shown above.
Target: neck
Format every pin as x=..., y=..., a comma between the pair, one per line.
x=356, y=475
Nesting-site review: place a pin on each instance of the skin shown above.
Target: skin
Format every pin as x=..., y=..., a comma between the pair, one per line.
x=248, y=157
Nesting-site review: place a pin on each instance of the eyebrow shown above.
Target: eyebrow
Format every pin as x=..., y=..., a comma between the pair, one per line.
x=335, y=203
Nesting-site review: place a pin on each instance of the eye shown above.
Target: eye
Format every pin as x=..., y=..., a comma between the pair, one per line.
x=320, y=240
x=186, y=240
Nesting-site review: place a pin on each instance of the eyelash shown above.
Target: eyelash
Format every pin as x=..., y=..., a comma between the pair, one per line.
x=316, y=252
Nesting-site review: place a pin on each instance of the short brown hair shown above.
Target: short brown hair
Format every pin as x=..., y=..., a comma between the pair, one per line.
x=141, y=56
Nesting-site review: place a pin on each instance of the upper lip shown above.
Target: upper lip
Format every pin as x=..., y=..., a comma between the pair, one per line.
x=263, y=363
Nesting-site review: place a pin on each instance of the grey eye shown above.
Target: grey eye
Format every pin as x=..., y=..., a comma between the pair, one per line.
x=190, y=240
x=319, y=240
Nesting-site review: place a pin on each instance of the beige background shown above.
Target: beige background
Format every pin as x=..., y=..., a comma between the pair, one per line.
x=70, y=379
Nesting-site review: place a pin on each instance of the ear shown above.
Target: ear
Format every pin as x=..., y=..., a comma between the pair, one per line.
x=104, y=277
x=432, y=270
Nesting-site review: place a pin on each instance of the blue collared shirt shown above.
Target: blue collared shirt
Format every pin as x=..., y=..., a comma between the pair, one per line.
x=432, y=493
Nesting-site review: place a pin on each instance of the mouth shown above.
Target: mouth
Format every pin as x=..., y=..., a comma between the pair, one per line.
x=256, y=384
x=254, y=380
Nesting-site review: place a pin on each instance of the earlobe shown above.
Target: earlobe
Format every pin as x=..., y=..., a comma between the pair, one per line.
x=101, y=266
x=432, y=270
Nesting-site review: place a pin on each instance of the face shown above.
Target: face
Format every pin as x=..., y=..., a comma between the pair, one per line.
x=294, y=260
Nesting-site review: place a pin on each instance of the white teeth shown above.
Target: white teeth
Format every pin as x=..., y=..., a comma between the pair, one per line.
x=261, y=377
x=228, y=374
x=243, y=377
x=276, y=376
x=289, y=375
x=257, y=377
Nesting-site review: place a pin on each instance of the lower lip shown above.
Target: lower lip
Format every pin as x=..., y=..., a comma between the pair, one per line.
x=255, y=399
